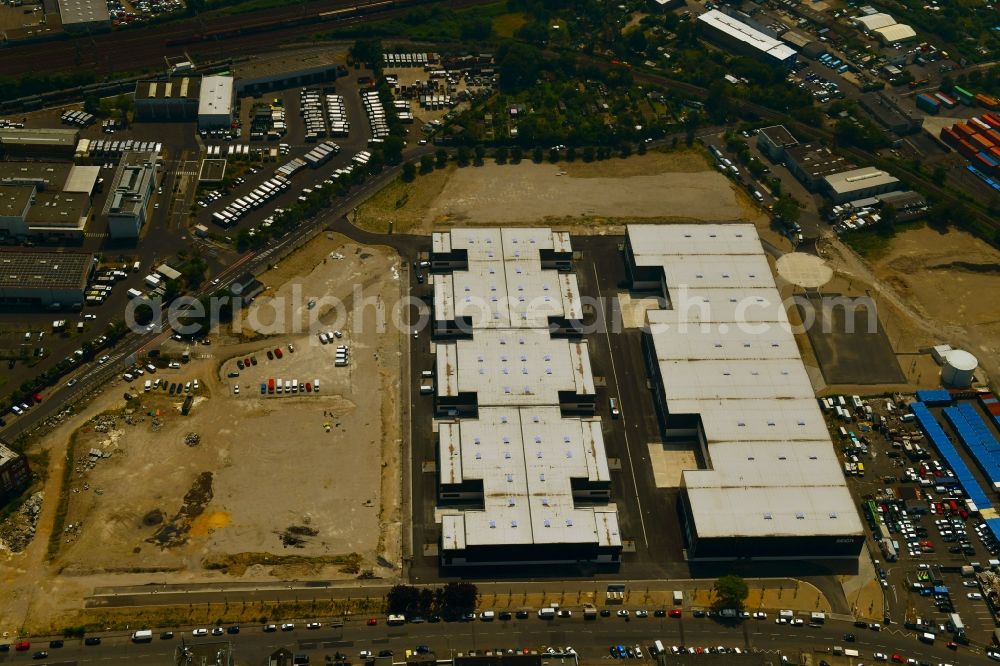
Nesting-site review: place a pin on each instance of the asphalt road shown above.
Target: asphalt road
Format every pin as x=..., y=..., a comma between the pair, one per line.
x=591, y=639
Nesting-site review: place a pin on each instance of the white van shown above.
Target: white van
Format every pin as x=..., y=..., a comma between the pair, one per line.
x=295, y=386
x=277, y=386
x=148, y=385
x=316, y=386
x=393, y=620
x=657, y=647
x=142, y=636
x=546, y=613
x=487, y=616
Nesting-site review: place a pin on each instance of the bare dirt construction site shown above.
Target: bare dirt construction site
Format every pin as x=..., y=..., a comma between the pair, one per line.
x=584, y=197
x=951, y=279
x=249, y=485
x=929, y=288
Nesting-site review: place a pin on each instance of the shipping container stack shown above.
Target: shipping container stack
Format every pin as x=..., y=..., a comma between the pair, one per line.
x=991, y=406
x=977, y=141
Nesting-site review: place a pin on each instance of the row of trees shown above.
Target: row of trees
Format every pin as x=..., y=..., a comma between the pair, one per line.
x=450, y=601
x=455, y=599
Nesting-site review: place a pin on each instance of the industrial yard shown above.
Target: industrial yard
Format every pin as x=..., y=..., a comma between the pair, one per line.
x=247, y=485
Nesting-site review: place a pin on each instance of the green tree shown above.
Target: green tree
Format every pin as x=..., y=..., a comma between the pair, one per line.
x=642, y=148
x=480, y=153
x=464, y=155
x=588, y=153
x=730, y=591
x=366, y=50
x=458, y=598
x=409, y=171
x=787, y=208
x=501, y=154
x=516, y=154
x=571, y=154
x=402, y=599
x=392, y=149
x=625, y=149
x=426, y=163
x=553, y=155
x=441, y=156
x=537, y=155
x=519, y=64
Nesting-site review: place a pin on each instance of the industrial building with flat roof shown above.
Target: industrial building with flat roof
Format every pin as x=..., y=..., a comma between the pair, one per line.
x=215, y=102
x=773, y=141
x=172, y=100
x=522, y=468
x=727, y=375
x=131, y=189
x=49, y=203
x=14, y=473
x=84, y=14
x=810, y=163
x=858, y=184
x=44, y=279
x=287, y=70
x=38, y=143
x=742, y=37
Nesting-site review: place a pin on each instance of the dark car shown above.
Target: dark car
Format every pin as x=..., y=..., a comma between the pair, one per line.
x=55, y=644
x=385, y=653
x=253, y=360
x=605, y=612
x=92, y=640
x=521, y=614
x=698, y=613
x=849, y=638
x=861, y=624
x=232, y=630
x=239, y=363
x=270, y=356
x=505, y=615
x=434, y=619
x=41, y=654
x=659, y=612
x=166, y=635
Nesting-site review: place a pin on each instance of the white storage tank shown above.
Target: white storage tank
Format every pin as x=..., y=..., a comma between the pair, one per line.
x=958, y=369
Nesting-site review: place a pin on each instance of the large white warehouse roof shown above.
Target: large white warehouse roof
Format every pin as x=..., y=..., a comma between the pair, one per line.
x=748, y=35
x=725, y=352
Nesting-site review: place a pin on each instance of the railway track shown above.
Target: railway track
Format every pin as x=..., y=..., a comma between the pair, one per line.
x=209, y=38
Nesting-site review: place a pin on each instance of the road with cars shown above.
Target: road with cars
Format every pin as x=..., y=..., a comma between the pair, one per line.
x=592, y=640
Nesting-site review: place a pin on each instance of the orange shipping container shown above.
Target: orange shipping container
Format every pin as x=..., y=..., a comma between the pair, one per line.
x=986, y=101
x=995, y=152
x=966, y=149
x=980, y=141
x=963, y=130
x=993, y=136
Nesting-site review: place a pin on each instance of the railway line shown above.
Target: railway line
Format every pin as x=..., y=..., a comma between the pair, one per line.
x=216, y=37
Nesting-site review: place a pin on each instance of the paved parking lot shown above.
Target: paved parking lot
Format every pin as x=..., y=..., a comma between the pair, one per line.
x=907, y=500
x=849, y=348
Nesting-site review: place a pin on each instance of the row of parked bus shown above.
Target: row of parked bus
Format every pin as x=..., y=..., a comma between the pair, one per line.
x=257, y=197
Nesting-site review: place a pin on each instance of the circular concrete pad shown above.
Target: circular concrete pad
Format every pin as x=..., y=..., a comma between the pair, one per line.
x=804, y=270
